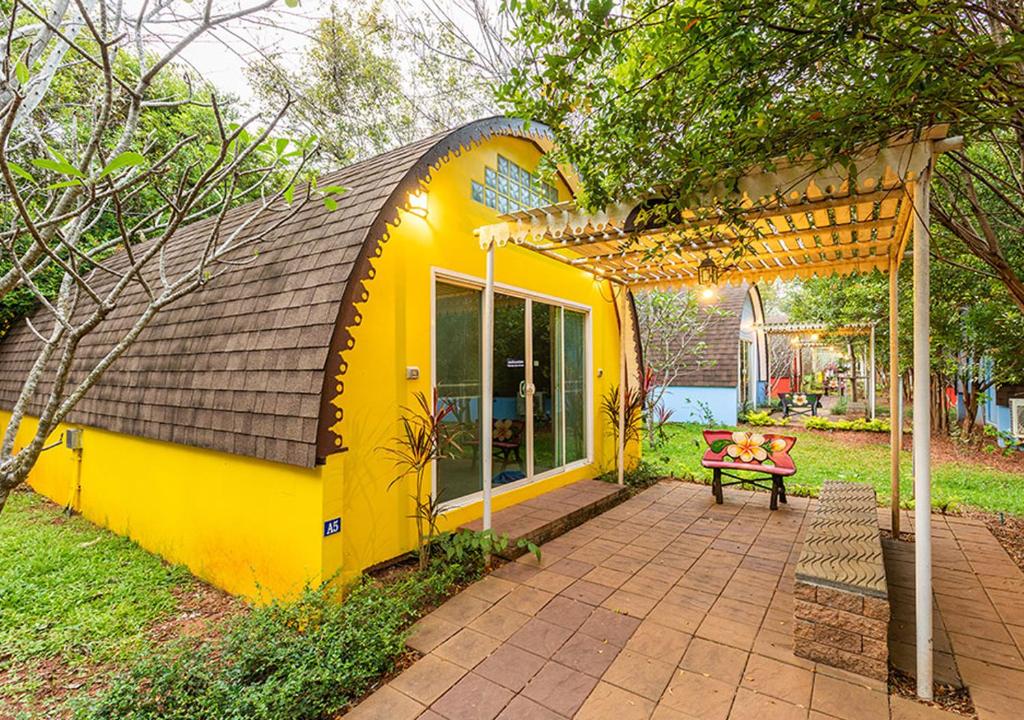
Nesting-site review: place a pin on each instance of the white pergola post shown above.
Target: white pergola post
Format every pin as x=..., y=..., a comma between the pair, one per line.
x=487, y=389
x=895, y=392
x=621, y=450
x=922, y=441
x=871, y=373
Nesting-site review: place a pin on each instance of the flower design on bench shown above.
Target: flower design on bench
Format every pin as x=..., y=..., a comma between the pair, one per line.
x=750, y=447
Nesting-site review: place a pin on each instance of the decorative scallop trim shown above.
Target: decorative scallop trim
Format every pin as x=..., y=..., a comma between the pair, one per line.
x=330, y=437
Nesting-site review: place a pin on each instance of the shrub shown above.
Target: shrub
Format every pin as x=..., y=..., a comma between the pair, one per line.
x=644, y=475
x=841, y=406
x=860, y=424
x=473, y=547
x=764, y=417
x=300, y=660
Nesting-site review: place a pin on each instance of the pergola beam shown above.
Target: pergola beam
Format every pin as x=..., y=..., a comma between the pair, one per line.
x=834, y=232
x=611, y=231
x=820, y=269
x=609, y=263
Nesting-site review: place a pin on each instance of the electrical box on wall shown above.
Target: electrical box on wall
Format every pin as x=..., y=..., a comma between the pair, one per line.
x=412, y=373
x=73, y=438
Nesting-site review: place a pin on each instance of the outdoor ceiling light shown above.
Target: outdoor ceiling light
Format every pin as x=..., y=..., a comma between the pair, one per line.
x=707, y=272
x=418, y=203
x=707, y=293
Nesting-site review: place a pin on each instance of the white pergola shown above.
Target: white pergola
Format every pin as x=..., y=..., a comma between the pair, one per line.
x=795, y=219
x=798, y=330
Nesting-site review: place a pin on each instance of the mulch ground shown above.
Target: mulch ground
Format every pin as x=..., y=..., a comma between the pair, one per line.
x=1009, y=531
x=41, y=688
x=947, y=697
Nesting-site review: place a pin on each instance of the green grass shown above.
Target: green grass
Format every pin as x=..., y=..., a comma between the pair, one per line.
x=820, y=456
x=71, y=589
x=300, y=660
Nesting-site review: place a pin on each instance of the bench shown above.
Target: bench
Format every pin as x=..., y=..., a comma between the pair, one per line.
x=506, y=441
x=841, y=603
x=763, y=453
x=800, y=404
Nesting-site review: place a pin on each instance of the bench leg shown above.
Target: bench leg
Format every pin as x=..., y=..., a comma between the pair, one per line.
x=782, y=490
x=774, y=505
x=716, y=486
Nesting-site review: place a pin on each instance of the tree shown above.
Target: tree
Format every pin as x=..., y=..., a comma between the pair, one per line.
x=688, y=96
x=775, y=299
x=975, y=344
x=672, y=325
x=94, y=199
x=371, y=80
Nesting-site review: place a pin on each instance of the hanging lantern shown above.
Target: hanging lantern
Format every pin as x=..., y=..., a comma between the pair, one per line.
x=707, y=272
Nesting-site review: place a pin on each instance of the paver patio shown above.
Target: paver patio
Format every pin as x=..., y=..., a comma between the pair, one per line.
x=670, y=607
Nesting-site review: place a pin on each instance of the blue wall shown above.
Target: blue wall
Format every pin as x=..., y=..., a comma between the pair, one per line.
x=1000, y=417
x=682, y=401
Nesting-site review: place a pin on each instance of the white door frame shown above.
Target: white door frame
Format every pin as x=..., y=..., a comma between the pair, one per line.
x=440, y=274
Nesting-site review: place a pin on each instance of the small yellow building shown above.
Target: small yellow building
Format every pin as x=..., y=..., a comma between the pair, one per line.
x=242, y=434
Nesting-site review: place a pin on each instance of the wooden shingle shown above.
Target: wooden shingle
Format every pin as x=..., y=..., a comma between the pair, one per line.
x=246, y=364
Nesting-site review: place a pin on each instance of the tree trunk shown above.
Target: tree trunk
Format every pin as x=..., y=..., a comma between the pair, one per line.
x=4, y=493
x=939, y=404
x=969, y=425
x=853, y=373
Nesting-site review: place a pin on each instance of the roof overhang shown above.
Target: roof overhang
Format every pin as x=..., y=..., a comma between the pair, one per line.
x=798, y=219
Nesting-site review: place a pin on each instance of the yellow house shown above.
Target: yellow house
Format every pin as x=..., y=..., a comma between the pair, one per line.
x=242, y=434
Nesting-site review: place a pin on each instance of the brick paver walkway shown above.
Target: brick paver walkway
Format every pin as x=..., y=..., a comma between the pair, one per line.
x=670, y=607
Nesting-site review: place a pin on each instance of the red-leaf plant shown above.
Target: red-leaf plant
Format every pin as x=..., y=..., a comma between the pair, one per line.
x=424, y=438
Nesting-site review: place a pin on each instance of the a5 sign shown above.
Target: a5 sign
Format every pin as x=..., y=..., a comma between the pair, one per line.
x=332, y=526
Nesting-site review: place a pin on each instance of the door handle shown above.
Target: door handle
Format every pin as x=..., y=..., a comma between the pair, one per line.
x=522, y=388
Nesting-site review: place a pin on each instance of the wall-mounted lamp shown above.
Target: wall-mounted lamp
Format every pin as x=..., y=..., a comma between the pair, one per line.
x=418, y=203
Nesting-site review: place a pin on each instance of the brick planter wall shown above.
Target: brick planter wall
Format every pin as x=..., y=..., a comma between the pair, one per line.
x=842, y=629
x=841, y=608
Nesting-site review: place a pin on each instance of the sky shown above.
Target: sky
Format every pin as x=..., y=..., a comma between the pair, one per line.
x=223, y=54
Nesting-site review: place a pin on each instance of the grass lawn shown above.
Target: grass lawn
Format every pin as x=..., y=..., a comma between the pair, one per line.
x=821, y=455
x=73, y=599
x=94, y=627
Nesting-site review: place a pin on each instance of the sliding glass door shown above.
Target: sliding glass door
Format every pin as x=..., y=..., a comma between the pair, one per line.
x=540, y=387
x=457, y=362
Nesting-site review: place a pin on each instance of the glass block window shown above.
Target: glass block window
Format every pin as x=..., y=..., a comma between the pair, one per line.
x=509, y=187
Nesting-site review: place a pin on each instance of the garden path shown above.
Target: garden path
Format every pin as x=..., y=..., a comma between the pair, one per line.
x=669, y=607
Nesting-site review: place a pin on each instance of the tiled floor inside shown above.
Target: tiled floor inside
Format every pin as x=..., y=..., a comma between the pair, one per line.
x=670, y=607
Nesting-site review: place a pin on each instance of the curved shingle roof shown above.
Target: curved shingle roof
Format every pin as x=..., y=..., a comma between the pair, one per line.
x=249, y=363
x=719, y=366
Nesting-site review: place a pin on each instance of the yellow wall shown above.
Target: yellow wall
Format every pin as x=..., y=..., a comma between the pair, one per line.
x=249, y=526
x=254, y=527
x=395, y=333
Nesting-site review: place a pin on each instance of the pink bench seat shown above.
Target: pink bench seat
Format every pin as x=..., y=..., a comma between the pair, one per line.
x=765, y=453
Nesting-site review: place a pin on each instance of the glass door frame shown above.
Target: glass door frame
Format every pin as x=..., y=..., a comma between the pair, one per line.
x=438, y=274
